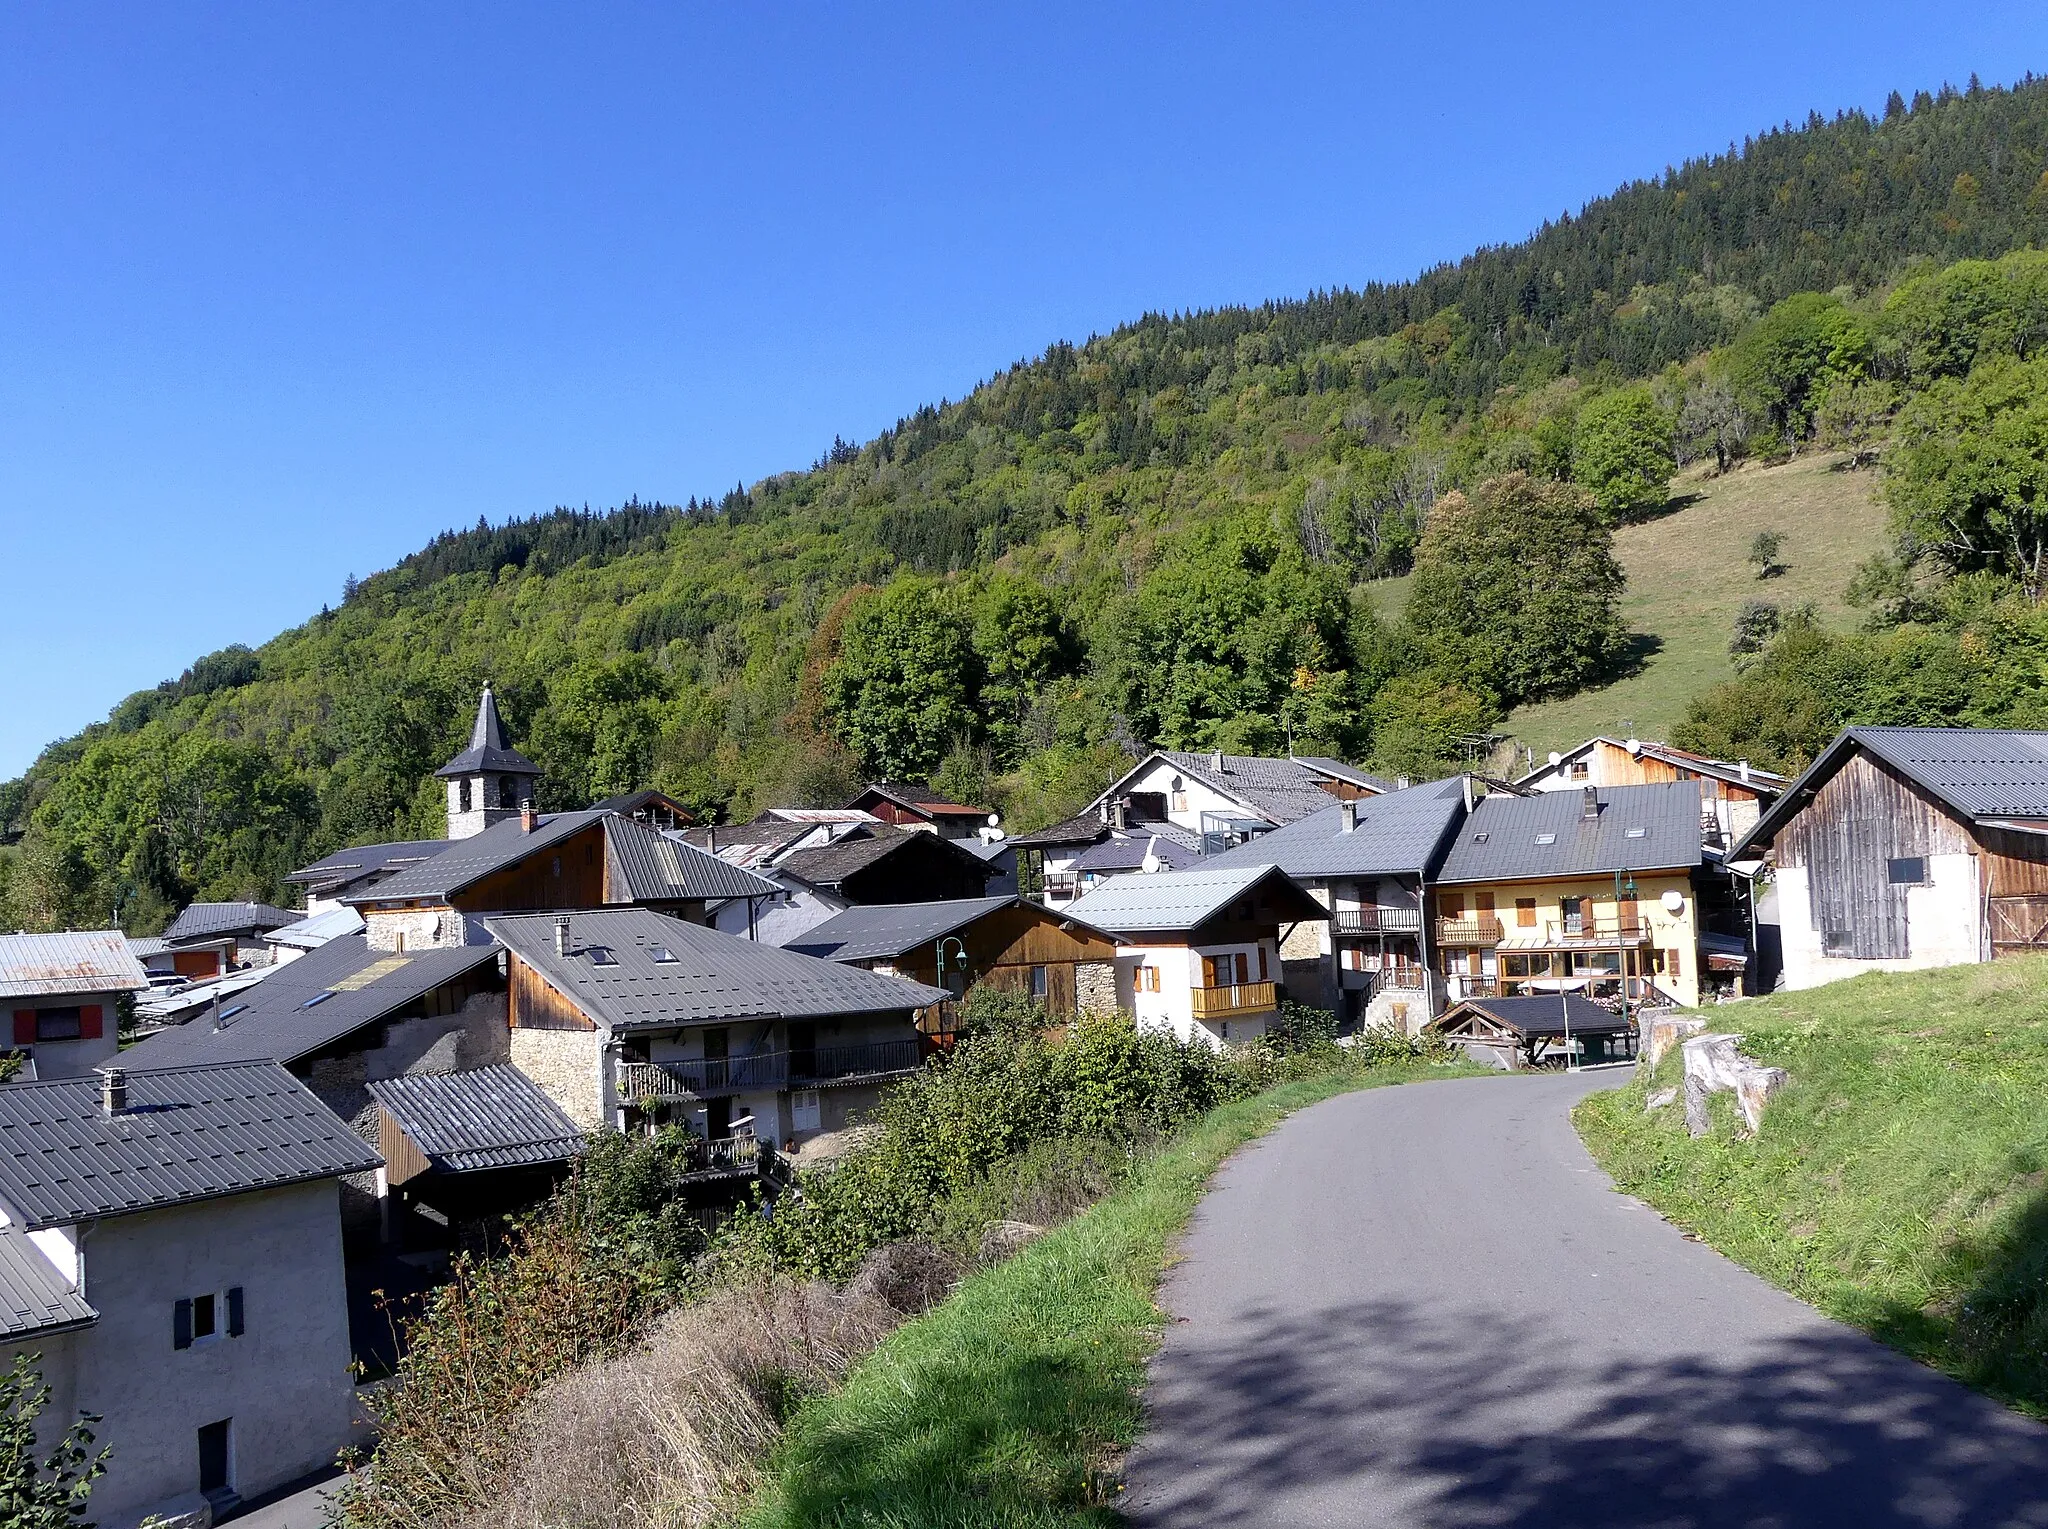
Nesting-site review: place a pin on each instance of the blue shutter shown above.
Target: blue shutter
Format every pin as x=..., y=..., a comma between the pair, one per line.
x=234, y=1311
x=181, y=1325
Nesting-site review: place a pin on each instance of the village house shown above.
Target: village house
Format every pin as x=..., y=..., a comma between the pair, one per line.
x=210, y=939
x=822, y=865
x=1198, y=952
x=328, y=880
x=63, y=994
x=918, y=809
x=1368, y=861
x=1732, y=795
x=631, y=1019
x=657, y=809
x=171, y=1251
x=1907, y=847
x=1003, y=943
x=1596, y=891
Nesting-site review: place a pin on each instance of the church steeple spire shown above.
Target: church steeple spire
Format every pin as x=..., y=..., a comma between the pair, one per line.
x=490, y=780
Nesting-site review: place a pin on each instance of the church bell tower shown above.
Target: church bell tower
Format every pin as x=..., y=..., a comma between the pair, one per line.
x=490, y=780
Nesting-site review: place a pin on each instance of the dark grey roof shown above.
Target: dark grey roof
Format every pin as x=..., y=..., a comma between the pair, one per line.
x=870, y=932
x=279, y=1019
x=830, y=864
x=347, y=866
x=712, y=976
x=1976, y=772
x=1541, y=1014
x=1127, y=851
x=34, y=1297
x=919, y=799
x=654, y=867
x=1176, y=902
x=1278, y=790
x=467, y=861
x=1398, y=834
x=69, y=961
x=490, y=1117
x=489, y=749
x=1083, y=829
x=205, y=921
x=1337, y=769
x=1638, y=828
x=192, y=1134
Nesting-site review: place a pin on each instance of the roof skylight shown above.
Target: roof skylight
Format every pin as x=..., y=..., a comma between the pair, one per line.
x=1546, y=838
x=1636, y=833
x=601, y=955
x=663, y=956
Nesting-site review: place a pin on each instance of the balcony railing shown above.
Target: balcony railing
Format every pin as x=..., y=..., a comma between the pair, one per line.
x=1585, y=933
x=645, y=1082
x=1065, y=885
x=1237, y=998
x=1483, y=930
x=1409, y=979
x=730, y=1154
x=1365, y=921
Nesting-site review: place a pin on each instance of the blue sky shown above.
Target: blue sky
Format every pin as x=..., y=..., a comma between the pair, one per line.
x=285, y=290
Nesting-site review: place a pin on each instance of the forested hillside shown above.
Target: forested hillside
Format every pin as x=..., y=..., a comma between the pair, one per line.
x=1165, y=534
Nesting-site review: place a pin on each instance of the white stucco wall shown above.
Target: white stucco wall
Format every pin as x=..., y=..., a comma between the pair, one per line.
x=1944, y=925
x=1171, y=1008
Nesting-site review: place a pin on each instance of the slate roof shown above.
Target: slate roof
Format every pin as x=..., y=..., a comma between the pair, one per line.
x=874, y=931
x=206, y=921
x=712, y=977
x=1127, y=852
x=74, y=961
x=345, y=867
x=284, y=1018
x=1173, y=901
x=34, y=1297
x=1398, y=834
x=1337, y=769
x=489, y=751
x=656, y=867
x=1541, y=1014
x=489, y=1117
x=1084, y=828
x=196, y=1133
x=467, y=861
x=1278, y=790
x=828, y=865
x=1979, y=773
x=1502, y=840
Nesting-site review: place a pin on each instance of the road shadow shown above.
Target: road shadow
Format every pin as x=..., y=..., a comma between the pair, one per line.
x=1458, y=1415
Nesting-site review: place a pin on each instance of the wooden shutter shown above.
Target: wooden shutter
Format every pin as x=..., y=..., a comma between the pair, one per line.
x=89, y=1022
x=1262, y=963
x=1674, y=963
x=181, y=1325
x=1525, y=913
x=24, y=1027
x=234, y=1311
x=1482, y=902
x=1450, y=904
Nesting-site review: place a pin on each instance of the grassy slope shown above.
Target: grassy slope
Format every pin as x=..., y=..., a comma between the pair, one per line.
x=1011, y=1403
x=1898, y=1181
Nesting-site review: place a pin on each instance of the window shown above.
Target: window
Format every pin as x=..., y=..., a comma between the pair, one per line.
x=1546, y=838
x=1906, y=871
x=601, y=955
x=203, y=1323
x=1038, y=983
x=1578, y=769
x=59, y=1024
x=1149, y=976
x=204, y=1318
x=1525, y=913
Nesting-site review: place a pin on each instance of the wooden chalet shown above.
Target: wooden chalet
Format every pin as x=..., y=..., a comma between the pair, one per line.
x=1732, y=793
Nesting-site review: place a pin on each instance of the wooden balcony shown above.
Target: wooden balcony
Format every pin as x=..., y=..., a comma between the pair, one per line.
x=1481, y=930
x=1237, y=998
x=1371, y=921
x=1402, y=979
x=826, y=1066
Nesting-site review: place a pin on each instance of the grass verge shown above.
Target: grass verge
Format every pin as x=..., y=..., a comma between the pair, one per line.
x=1898, y=1182
x=1011, y=1403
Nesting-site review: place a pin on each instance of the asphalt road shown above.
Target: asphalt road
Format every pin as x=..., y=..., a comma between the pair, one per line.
x=1424, y=1306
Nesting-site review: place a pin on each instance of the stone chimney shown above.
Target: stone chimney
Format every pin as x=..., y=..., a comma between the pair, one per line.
x=1119, y=812
x=529, y=820
x=1216, y=761
x=113, y=1091
x=561, y=937
x=1590, y=804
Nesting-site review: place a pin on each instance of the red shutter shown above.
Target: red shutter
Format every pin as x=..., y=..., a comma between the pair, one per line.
x=24, y=1027
x=89, y=1022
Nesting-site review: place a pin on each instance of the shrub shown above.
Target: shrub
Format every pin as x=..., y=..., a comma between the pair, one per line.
x=42, y=1491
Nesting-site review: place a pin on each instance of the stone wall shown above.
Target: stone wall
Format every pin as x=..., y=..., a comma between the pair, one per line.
x=1095, y=987
x=568, y=1066
x=420, y=929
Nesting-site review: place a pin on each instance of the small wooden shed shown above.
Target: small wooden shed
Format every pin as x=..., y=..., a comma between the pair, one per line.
x=1530, y=1031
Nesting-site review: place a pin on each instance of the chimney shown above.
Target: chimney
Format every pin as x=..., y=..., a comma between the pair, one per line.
x=113, y=1091
x=1216, y=761
x=711, y=837
x=1402, y=783
x=1591, y=808
x=1119, y=811
x=1744, y=768
x=528, y=818
x=561, y=937
x=1350, y=816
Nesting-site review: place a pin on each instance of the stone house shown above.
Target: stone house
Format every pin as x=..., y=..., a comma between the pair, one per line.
x=62, y=993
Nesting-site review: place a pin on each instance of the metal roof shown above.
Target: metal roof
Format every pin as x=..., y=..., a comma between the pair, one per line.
x=871, y=931
x=709, y=977
x=193, y=1134
x=346, y=866
x=1736, y=772
x=284, y=1017
x=489, y=751
x=1398, y=834
x=489, y=1117
x=202, y=921
x=73, y=961
x=829, y=865
x=1179, y=901
x=1337, y=769
x=34, y=1296
x=918, y=799
x=649, y=866
x=1127, y=851
x=1085, y=828
x=1540, y=1015
x=1517, y=838
x=312, y=933
x=467, y=861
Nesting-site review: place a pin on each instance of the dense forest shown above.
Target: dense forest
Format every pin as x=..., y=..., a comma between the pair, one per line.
x=1168, y=535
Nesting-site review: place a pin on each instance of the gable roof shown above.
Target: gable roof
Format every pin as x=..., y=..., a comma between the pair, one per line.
x=73, y=961
x=646, y=799
x=1738, y=773
x=878, y=930
x=347, y=866
x=1979, y=773
x=1638, y=828
x=709, y=976
x=1180, y=901
x=203, y=921
x=1537, y=1014
x=489, y=749
x=195, y=1133
x=831, y=865
x=34, y=1297
x=655, y=867
x=284, y=1017
x=918, y=799
x=488, y=1117
x=1127, y=851
x=1277, y=790
x=1398, y=834
x=1083, y=828
x=467, y=861
x=1337, y=769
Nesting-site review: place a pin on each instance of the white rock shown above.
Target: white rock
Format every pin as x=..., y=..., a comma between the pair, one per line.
x=1713, y=1064
x=1659, y=1099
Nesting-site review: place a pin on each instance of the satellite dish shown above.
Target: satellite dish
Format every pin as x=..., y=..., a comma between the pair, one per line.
x=1151, y=862
x=1673, y=901
x=1556, y=759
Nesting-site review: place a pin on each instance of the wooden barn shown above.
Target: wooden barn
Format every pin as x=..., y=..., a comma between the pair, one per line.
x=1908, y=847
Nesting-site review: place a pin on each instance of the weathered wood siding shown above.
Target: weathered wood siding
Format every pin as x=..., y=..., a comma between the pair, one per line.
x=570, y=874
x=533, y=1003
x=1003, y=947
x=1616, y=766
x=2014, y=864
x=402, y=1160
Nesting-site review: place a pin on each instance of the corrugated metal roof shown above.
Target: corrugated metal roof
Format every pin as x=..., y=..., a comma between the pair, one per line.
x=1172, y=902
x=1638, y=828
x=282, y=1022
x=192, y=1134
x=489, y=1117
x=874, y=931
x=34, y=1296
x=918, y=798
x=489, y=749
x=657, y=867
x=347, y=866
x=467, y=861
x=73, y=961
x=829, y=865
x=1398, y=834
x=710, y=977
x=201, y=921
x=1981, y=772
x=312, y=933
